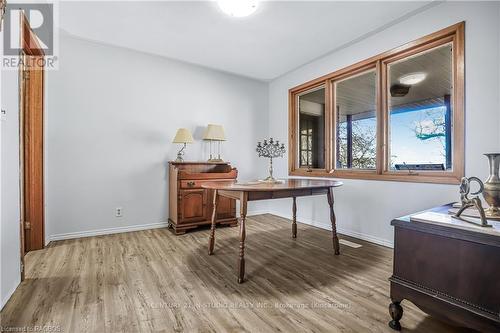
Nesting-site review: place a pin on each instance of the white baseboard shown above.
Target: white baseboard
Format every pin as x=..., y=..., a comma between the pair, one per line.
x=368, y=238
x=322, y=225
x=257, y=212
x=6, y=298
x=340, y=230
x=107, y=231
x=117, y=230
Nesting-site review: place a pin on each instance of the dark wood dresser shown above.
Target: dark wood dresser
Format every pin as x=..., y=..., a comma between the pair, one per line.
x=190, y=205
x=449, y=271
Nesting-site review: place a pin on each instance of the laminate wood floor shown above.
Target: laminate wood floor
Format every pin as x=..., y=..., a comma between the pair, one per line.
x=153, y=281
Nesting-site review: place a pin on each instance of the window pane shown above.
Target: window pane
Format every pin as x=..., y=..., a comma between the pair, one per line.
x=312, y=129
x=356, y=121
x=420, y=124
x=303, y=141
x=303, y=157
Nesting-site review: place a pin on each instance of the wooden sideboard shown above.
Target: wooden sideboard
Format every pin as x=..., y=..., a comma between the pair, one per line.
x=449, y=271
x=190, y=205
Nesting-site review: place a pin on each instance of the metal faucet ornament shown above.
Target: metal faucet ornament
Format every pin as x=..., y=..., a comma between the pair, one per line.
x=271, y=149
x=471, y=202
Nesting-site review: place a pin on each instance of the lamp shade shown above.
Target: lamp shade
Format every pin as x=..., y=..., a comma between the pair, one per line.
x=183, y=135
x=214, y=133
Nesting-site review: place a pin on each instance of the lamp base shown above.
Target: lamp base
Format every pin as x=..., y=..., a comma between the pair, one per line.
x=179, y=157
x=271, y=180
x=180, y=153
x=215, y=160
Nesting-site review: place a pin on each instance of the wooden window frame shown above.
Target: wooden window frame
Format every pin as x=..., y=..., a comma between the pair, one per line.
x=296, y=129
x=455, y=35
x=352, y=173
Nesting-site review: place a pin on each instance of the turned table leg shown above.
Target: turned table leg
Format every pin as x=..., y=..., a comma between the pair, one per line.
x=211, y=240
x=335, y=238
x=396, y=311
x=241, y=260
x=294, y=219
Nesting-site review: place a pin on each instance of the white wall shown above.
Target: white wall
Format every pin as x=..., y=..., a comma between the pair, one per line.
x=10, y=247
x=112, y=114
x=365, y=208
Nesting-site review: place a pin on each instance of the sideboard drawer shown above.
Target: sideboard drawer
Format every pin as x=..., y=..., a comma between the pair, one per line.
x=191, y=183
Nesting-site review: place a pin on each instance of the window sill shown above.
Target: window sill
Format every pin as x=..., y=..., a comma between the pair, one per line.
x=421, y=177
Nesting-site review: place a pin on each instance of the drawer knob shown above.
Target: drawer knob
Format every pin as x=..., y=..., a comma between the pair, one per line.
x=190, y=184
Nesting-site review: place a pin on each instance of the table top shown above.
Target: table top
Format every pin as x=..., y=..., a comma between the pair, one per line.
x=447, y=226
x=288, y=184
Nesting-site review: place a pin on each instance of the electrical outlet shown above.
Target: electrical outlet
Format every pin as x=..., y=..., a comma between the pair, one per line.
x=119, y=212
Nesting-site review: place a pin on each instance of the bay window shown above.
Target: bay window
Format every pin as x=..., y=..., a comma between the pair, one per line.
x=396, y=116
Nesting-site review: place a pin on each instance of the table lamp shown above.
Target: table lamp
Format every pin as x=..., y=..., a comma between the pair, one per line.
x=183, y=136
x=214, y=133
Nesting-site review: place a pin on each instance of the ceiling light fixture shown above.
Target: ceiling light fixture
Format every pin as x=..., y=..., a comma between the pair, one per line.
x=412, y=78
x=238, y=8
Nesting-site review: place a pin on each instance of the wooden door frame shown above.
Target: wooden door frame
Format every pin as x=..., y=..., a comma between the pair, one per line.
x=21, y=162
x=30, y=49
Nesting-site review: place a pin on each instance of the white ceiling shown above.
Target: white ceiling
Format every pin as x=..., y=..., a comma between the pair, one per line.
x=279, y=37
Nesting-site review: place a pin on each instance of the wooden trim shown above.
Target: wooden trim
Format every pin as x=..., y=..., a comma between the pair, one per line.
x=33, y=168
x=356, y=70
x=31, y=90
x=453, y=34
x=458, y=142
x=29, y=41
x=373, y=175
x=293, y=115
x=21, y=83
x=333, y=129
x=459, y=102
x=418, y=49
x=292, y=130
x=329, y=142
x=381, y=119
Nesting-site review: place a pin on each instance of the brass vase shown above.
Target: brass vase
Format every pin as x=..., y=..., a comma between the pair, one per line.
x=491, y=190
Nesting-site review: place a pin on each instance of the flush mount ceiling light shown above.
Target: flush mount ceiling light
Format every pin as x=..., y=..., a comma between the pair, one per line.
x=238, y=8
x=412, y=78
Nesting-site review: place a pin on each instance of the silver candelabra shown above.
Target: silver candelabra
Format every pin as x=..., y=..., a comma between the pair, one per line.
x=271, y=149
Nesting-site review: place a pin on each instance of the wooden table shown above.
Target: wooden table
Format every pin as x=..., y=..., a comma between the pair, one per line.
x=291, y=188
